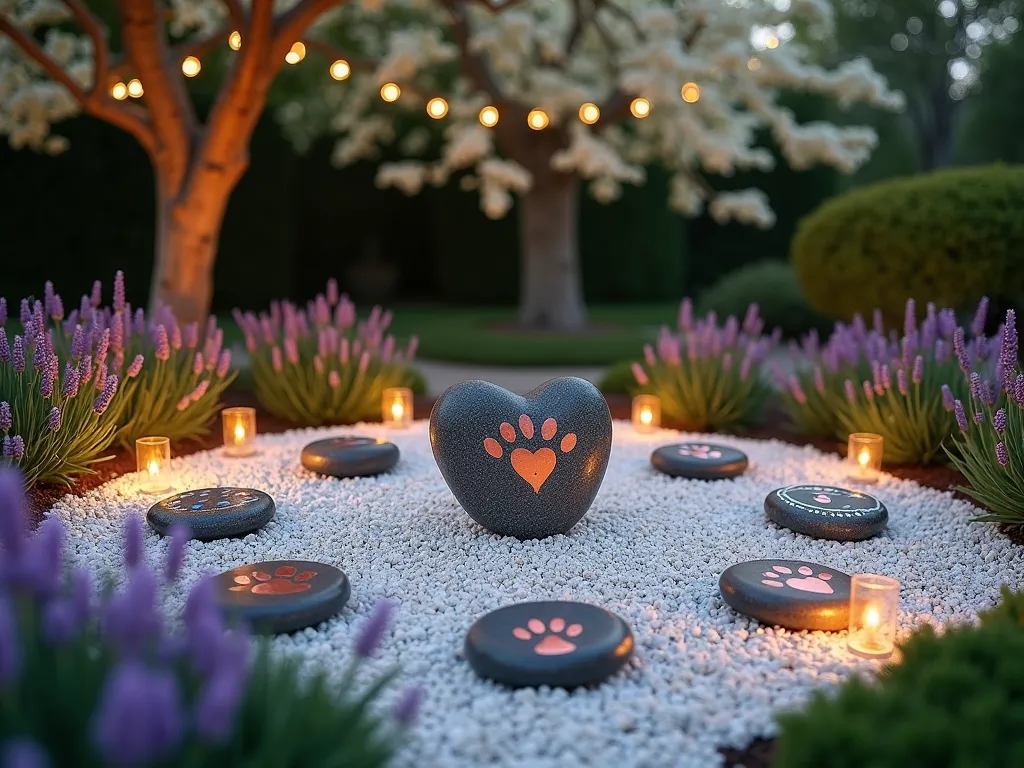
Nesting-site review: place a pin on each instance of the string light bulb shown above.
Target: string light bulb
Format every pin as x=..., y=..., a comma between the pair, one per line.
x=489, y=117
x=341, y=69
x=119, y=91
x=390, y=92
x=537, y=119
x=754, y=64
x=190, y=66
x=690, y=92
x=296, y=54
x=640, y=107
x=437, y=107
x=135, y=88
x=235, y=40
x=590, y=113
x=771, y=42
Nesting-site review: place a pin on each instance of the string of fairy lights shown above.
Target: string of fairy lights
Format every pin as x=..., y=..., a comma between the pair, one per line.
x=437, y=107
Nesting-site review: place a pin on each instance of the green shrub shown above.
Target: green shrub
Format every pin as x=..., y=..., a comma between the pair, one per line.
x=955, y=700
x=773, y=286
x=990, y=451
x=945, y=237
x=318, y=365
x=618, y=379
x=709, y=377
x=117, y=683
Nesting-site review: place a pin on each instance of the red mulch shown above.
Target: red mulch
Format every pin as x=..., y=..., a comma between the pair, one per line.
x=758, y=754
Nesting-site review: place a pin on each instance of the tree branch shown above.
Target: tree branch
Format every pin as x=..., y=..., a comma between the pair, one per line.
x=122, y=67
x=236, y=14
x=94, y=28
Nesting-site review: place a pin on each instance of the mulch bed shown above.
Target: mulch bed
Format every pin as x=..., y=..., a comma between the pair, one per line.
x=758, y=754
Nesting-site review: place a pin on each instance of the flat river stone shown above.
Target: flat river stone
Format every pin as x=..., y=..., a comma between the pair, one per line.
x=214, y=513
x=527, y=467
x=788, y=593
x=825, y=512
x=350, y=456
x=699, y=461
x=282, y=595
x=554, y=643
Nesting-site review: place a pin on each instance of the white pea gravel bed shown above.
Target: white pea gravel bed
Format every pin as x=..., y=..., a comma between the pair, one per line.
x=651, y=549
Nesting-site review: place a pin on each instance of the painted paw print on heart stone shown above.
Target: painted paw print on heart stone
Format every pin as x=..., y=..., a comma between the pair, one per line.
x=781, y=575
x=700, y=452
x=552, y=642
x=285, y=581
x=535, y=467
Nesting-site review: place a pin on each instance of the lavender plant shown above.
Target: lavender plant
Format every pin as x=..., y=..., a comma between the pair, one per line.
x=59, y=410
x=321, y=365
x=903, y=388
x=708, y=376
x=112, y=681
x=990, y=449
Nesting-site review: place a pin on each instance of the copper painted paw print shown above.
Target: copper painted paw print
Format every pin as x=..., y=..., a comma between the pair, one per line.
x=809, y=582
x=552, y=643
x=700, y=452
x=535, y=467
x=285, y=581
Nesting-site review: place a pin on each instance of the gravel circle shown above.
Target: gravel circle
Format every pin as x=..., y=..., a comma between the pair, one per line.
x=651, y=550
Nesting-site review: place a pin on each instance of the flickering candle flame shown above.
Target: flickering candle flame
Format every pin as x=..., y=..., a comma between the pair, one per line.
x=646, y=413
x=864, y=458
x=397, y=407
x=864, y=455
x=874, y=609
x=153, y=467
x=239, y=431
x=153, y=461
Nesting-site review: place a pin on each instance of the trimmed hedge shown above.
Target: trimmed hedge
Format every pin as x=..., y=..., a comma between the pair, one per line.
x=947, y=237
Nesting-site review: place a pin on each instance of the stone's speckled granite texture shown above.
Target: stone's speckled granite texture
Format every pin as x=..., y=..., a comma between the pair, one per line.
x=213, y=513
x=699, y=461
x=790, y=593
x=527, y=467
x=282, y=595
x=554, y=643
x=350, y=456
x=826, y=512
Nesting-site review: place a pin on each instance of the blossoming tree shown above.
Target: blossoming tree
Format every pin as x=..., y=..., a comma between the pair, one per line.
x=546, y=94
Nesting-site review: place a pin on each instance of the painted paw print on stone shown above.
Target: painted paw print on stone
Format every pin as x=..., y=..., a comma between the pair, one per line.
x=535, y=467
x=285, y=581
x=700, y=452
x=809, y=583
x=552, y=643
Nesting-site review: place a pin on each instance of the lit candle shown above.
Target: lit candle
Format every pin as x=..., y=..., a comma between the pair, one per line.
x=874, y=608
x=153, y=461
x=864, y=454
x=396, y=407
x=646, y=413
x=239, y=431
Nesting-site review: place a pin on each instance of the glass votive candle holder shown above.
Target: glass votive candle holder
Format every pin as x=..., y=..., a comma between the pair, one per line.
x=864, y=455
x=239, y=431
x=874, y=608
x=396, y=407
x=153, y=462
x=646, y=413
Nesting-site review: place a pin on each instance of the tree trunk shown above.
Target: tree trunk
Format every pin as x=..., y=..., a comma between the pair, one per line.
x=551, y=289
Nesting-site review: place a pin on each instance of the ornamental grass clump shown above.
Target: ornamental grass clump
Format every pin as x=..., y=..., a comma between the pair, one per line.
x=321, y=364
x=709, y=377
x=900, y=387
x=59, y=408
x=990, y=449
x=101, y=677
x=955, y=699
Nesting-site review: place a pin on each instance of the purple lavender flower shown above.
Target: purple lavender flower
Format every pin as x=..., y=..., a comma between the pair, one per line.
x=869, y=391
x=731, y=331
x=53, y=420
x=819, y=379
x=910, y=320
x=332, y=292
x=25, y=313
x=343, y=351
x=333, y=380
x=217, y=705
x=980, y=315
x=960, y=347
x=40, y=569
x=408, y=706
x=178, y=536
x=3, y=310
x=745, y=367
x=796, y=390
x=23, y=753
x=132, y=541
x=117, y=335
x=46, y=385
x=5, y=347
x=275, y=358
x=39, y=356
x=139, y=322
x=163, y=346
x=373, y=630
x=15, y=449
x=56, y=310
x=345, y=314
x=291, y=350
x=981, y=347
x=901, y=382
x=132, y=618
x=59, y=624
x=1009, y=348
x=322, y=313
x=318, y=364
x=139, y=718
x=118, y=303
x=1002, y=455
x=999, y=421
x=84, y=370
x=727, y=361
x=961, y=416
x=640, y=375
x=184, y=403
x=947, y=397
x=10, y=649
x=1018, y=389
x=918, y=371
x=196, y=394
x=197, y=364
x=941, y=351
x=989, y=392
x=175, y=334
x=6, y=420
x=96, y=296
x=18, y=355
x=136, y=367
x=224, y=363
x=976, y=391
x=876, y=378
x=78, y=343
x=103, y=401
x=101, y=376
x=190, y=335
x=102, y=345
x=979, y=417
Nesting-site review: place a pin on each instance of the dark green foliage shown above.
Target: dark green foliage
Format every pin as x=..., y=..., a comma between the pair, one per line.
x=946, y=237
x=773, y=286
x=955, y=700
x=619, y=379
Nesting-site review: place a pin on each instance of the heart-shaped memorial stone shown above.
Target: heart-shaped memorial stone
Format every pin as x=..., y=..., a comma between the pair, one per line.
x=525, y=466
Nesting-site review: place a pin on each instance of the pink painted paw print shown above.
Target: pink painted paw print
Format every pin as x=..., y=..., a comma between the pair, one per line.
x=809, y=583
x=552, y=642
x=700, y=452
